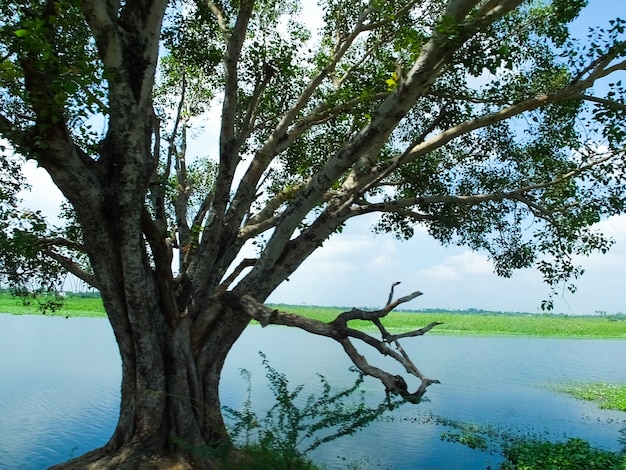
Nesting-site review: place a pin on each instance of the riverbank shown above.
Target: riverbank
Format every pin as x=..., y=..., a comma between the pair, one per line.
x=542, y=325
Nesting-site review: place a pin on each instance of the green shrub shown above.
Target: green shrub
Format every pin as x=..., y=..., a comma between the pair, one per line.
x=288, y=431
x=532, y=453
x=574, y=454
x=281, y=438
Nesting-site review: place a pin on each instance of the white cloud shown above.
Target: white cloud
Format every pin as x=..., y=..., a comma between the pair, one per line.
x=441, y=272
x=614, y=227
x=43, y=195
x=384, y=263
x=468, y=263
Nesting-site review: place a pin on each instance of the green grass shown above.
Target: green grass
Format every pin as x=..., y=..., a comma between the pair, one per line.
x=559, y=326
x=574, y=454
x=73, y=306
x=607, y=396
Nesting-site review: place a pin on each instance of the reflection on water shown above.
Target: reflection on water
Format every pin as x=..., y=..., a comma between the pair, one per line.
x=59, y=391
x=488, y=380
x=59, y=394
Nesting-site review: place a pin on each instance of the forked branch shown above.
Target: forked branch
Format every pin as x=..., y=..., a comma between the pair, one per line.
x=338, y=329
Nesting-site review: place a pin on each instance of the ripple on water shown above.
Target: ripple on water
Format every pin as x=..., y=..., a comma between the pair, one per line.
x=59, y=391
x=51, y=426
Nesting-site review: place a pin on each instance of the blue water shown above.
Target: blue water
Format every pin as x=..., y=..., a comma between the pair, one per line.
x=59, y=391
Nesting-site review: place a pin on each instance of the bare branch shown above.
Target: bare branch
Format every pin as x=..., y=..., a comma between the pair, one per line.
x=358, y=314
x=341, y=332
x=219, y=14
x=247, y=124
x=390, y=298
x=418, y=332
x=604, y=102
x=72, y=267
x=245, y=263
x=52, y=242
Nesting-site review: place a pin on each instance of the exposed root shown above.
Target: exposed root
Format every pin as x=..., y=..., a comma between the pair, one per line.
x=126, y=458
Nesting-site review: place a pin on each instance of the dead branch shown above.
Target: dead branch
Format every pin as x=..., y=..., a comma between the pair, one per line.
x=338, y=329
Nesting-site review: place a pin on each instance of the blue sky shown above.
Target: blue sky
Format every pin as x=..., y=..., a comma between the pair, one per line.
x=357, y=267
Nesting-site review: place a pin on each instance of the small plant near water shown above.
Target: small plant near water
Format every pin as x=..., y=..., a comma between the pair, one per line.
x=573, y=454
x=292, y=427
x=607, y=396
x=532, y=452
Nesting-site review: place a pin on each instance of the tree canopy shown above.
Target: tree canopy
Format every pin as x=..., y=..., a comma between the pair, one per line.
x=483, y=121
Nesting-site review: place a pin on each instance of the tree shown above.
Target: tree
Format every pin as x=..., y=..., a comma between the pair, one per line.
x=476, y=119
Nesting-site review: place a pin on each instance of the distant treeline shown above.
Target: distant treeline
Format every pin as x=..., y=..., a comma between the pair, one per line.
x=84, y=295
x=469, y=311
x=479, y=311
x=94, y=294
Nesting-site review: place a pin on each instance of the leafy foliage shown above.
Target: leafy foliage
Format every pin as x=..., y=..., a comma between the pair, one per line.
x=530, y=453
x=574, y=454
x=292, y=428
x=50, y=39
x=23, y=261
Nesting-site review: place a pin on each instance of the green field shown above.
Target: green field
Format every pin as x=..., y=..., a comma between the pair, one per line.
x=73, y=306
x=453, y=322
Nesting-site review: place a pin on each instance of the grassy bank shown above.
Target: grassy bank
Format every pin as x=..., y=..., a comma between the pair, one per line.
x=73, y=306
x=453, y=322
x=607, y=396
x=487, y=324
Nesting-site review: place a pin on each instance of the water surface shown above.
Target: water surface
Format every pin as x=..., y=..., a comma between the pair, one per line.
x=59, y=391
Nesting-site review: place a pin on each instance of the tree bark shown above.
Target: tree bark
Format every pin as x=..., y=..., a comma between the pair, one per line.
x=172, y=346
x=170, y=409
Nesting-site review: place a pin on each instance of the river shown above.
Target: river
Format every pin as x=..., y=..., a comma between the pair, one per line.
x=59, y=391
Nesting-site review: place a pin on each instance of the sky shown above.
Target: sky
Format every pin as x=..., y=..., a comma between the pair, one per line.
x=356, y=268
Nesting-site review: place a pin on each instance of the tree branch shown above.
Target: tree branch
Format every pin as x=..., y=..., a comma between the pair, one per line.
x=605, y=102
x=219, y=14
x=245, y=263
x=229, y=145
x=72, y=267
x=276, y=141
x=339, y=330
x=518, y=194
x=247, y=124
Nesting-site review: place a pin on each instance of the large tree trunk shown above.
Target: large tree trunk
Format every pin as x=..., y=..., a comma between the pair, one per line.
x=170, y=409
x=172, y=345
